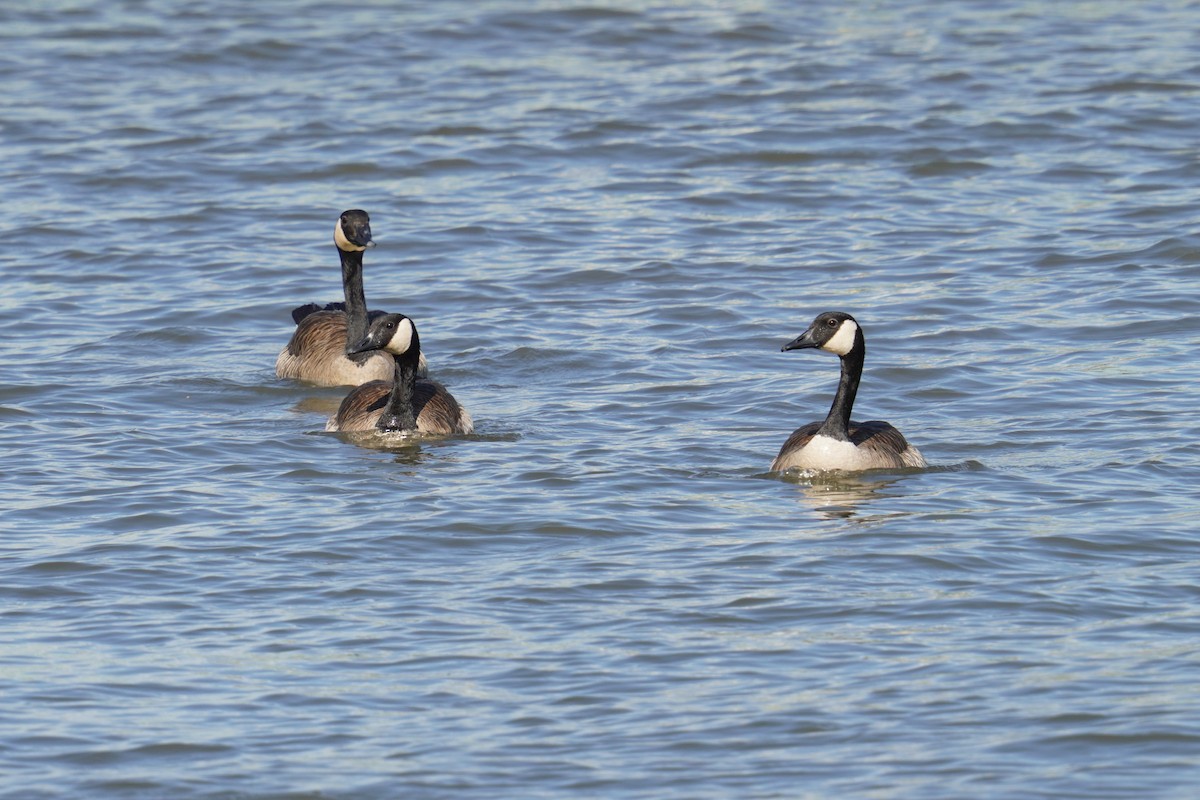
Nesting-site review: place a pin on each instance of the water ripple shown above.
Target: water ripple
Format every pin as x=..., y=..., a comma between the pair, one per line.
x=606, y=219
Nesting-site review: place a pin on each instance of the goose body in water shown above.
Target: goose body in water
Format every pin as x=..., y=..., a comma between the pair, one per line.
x=407, y=402
x=318, y=351
x=838, y=443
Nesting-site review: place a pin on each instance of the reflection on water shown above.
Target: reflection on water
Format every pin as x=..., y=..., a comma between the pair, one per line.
x=322, y=405
x=844, y=495
x=405, y=444
x=839, y=495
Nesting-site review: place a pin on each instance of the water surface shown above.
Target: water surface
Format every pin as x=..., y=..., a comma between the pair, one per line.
x=606, y=219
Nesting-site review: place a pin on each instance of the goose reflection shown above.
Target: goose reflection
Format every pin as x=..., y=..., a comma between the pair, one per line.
x=840, y=495
x=317, y=404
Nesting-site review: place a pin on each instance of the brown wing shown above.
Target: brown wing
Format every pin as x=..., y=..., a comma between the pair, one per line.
x=877, y=435
x=437, y=410
x=316, y=353
x=361, y=409
x=318, y=332
x=315, y=350
x=885, y=442
x=796, y=442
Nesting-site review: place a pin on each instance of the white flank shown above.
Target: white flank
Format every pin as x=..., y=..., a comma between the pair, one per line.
x=842, y=342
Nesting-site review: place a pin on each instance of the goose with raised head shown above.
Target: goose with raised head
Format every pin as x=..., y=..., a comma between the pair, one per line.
x=319, y=350
x=839, y=443
x=406, y=403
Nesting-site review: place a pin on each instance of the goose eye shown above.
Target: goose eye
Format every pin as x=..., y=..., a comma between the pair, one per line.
x=391, y=325
x=833, y=322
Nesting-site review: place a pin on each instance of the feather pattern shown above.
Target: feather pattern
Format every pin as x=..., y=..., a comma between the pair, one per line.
x=317, y=353
x=435, y=409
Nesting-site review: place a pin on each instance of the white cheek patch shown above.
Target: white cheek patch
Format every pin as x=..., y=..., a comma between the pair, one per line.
x=342, y=242
x=842, y=342
x=401, y=339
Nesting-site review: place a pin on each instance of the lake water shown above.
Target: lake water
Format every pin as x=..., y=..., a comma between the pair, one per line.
x=605, y=218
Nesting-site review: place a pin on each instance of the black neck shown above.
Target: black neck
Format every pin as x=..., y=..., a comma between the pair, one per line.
x=356, y=300
x=837, y=424
x=399, y=414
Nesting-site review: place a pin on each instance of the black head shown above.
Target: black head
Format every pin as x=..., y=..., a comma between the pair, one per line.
x=834, y=331
x=353, y=231
x=393, y=333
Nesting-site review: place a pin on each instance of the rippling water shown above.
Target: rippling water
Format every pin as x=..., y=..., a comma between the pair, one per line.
x=605, y=219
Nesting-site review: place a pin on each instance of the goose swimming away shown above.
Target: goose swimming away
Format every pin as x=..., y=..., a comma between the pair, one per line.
x=839, y=443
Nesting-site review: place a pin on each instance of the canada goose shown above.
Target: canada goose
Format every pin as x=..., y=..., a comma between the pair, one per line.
x=837, y=443
x=318, y=351
x=405, y=403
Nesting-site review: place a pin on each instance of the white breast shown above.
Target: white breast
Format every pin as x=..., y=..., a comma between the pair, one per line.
x=824, y=453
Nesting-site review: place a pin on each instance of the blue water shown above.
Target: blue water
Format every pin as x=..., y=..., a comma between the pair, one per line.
x=606, y=219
